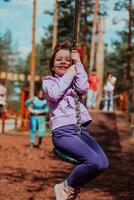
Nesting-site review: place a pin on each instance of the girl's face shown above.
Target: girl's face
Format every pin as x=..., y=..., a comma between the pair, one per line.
x=40, y=94
x=109, y=77
x=62, y=62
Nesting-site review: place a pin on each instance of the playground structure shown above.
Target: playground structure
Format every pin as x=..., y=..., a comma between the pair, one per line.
x=21, y=118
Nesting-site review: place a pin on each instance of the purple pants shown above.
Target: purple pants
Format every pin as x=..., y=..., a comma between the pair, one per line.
x=85, y=149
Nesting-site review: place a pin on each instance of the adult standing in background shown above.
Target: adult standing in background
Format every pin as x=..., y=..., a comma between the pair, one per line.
x=109, y=92
x=93, y=81
x=37, y=107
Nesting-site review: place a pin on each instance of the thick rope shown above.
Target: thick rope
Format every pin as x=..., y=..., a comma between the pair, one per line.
x=76, y=96
x=77, y=109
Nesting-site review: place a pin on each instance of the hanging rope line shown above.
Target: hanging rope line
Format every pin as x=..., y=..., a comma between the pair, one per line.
x=76, y=96
x=75, y=24
x=62, y=155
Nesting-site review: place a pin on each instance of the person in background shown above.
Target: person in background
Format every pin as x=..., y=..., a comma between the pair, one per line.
x=60, y=93
x=93, y=81
x=109, y=92
x=3, y=97
x=37, y=107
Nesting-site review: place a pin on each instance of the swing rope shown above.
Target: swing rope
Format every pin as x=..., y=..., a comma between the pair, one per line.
x=76, y=96
x=62, y=155
x=77, y=110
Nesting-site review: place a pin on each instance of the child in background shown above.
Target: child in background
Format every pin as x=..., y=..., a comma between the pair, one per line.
x=37, y=107
x=109, y=92
x=93, y=81
x=60, y=95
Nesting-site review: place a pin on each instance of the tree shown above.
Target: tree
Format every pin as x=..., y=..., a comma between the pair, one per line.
x=5, y=51
x=116, y=62
x=124, y=50
x=65, y=24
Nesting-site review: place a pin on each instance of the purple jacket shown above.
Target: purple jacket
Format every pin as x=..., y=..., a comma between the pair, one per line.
x=59, y=94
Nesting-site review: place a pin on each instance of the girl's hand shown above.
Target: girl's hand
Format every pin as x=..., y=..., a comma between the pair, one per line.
x=38, y=112
x=72, y=70
x=75, y=57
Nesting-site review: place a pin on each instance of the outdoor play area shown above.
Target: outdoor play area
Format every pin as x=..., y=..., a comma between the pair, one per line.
x=101, y=38
x=27, y=174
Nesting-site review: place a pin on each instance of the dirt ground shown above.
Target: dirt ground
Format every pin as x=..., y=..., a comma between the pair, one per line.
x=30, y=174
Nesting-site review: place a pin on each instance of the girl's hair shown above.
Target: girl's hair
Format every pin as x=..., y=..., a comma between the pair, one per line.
x=109, y=73
x=58, y=47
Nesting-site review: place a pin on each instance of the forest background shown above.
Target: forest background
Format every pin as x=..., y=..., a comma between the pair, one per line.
x=119, y=60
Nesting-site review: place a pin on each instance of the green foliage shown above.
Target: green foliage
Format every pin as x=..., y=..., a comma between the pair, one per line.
x=5, y=51
x=119, y=5
x=65, y=20
x=65, y=29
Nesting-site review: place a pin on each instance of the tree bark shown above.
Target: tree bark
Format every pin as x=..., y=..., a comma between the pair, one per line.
x=33, y=55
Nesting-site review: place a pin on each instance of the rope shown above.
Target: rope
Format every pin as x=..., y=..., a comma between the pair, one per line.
x=77, y=110
x=76, y=96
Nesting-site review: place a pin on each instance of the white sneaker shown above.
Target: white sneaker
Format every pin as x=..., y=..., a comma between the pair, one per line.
x=111, y=109
x=105, y=109
x=65, y=193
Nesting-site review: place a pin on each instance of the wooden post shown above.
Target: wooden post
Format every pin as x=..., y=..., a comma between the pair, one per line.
x=78, y=26
x=100, y=58
x=23, y=114
x=85, y=44
x=93, y=38
x=22, y=99
x=16, y=121
x=123, y=101
x=55, y=24
x=33, y=58
x=3, y=122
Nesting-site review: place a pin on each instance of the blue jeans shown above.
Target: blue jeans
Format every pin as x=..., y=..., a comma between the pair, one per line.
x=85, y=149
x=108, y=101
x=91, y=98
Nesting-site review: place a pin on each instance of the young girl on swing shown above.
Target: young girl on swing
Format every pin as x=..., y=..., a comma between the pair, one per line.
x=60, y=95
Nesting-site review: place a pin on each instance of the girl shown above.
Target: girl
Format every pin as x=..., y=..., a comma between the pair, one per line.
x=37, y=107
x=60, y=95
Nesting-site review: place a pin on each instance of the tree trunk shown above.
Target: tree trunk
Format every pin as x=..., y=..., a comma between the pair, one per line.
x=100, y=58
x=85, y=57
x=130, y=78
x=93, y=38
x=33, y=56
x=55, y=24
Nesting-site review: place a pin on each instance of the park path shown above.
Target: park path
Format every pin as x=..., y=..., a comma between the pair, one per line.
x=27, y=174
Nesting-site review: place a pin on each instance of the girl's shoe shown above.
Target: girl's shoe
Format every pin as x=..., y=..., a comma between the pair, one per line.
x=31, y=146
x=65, y=193
x=111, y=109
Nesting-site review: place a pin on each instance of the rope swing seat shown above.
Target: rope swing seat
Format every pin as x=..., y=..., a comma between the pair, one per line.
x=60, y=154
x=66, y=157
